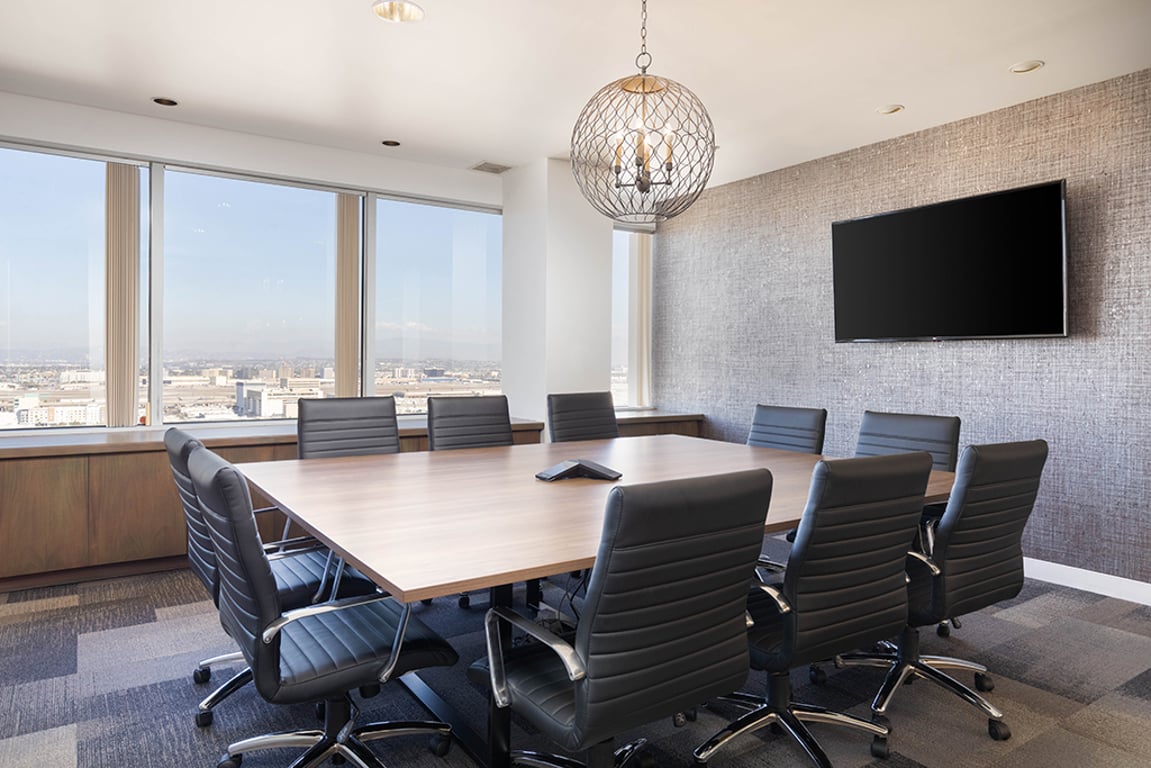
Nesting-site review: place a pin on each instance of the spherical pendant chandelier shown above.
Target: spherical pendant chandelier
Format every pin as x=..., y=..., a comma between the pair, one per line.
x=643, y=148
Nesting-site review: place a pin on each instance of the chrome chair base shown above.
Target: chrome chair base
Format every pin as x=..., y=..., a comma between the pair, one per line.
x=778, y=709
x=599, y=756
x=927, y=667
x=906, y=661
x=338, y=737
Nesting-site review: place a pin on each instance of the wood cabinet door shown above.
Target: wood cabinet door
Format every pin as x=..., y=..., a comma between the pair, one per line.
x=134, y=511
x=43, y=514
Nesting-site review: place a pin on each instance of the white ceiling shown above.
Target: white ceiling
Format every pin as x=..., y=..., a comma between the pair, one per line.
x=503, y=80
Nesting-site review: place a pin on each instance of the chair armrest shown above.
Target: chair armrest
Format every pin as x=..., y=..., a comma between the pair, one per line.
x=770, y=565
x=773, y=592
x=264, y=510
x=572, y=663
x=931, y=566
x=274, y=628
x=288, y=617
x=293, y=546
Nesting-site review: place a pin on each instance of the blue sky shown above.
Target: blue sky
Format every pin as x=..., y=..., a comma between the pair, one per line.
x=249, y=268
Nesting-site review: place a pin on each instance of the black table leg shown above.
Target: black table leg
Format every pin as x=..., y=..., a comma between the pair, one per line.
x=500, y=720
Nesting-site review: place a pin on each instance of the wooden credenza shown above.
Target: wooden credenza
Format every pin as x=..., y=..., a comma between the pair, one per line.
x=83, y=506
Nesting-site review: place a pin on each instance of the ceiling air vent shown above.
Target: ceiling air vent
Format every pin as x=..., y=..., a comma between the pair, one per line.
x=491, y=168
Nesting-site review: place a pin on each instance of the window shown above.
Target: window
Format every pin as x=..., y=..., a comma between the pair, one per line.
x=631, y=319
x=256, y=294
x=437, y=302
x=249, y=297
x=52, y=359
x=620, y=268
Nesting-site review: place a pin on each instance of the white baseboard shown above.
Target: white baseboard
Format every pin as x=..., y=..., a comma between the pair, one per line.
x=1089, y=581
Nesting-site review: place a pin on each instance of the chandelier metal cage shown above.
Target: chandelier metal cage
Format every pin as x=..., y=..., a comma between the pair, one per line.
x=642, y=149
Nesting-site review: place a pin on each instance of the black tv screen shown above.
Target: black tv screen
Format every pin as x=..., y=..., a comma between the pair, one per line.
x=988, y=266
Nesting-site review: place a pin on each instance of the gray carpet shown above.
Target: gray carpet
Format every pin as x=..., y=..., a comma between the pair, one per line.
x=99, y=675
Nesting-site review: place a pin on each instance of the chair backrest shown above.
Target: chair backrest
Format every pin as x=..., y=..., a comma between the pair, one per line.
x=881, y=434
x=347, y=426
x=468, y=422
x=248, y=599
x=788, y=429
x=846, y=577
x=978, y=543
x=581, y=416
x=663, y=627
x=201, y=554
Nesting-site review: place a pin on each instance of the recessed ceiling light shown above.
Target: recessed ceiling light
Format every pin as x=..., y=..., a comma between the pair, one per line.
x=889, y=109
x=1023, y=67
x=165, y=102
x=397, y=11
x=390, y=143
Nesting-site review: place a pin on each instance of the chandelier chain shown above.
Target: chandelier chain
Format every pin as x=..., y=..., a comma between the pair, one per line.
x=643, y=56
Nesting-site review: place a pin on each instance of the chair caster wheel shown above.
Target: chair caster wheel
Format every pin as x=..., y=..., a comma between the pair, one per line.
x=465, y=601
x=817, y=675
x=201, y=675
x=879, y=748
x=204, y=719
x=943, y=630
x=230, y=761
x=680, y=719
x=984, y=682
x=426, y=601
x=998, y=730
x=440, y=744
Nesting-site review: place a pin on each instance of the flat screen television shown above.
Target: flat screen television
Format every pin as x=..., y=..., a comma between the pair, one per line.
x=988, y=266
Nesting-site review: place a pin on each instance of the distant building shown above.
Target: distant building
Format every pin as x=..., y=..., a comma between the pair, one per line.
x=261, y=400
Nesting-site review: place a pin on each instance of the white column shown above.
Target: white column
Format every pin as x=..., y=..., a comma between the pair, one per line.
x=556, y=288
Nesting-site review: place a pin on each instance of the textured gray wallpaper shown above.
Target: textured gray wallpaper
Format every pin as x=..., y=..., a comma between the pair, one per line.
x=743, y=309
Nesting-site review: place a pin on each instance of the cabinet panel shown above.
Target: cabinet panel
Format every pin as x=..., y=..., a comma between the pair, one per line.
x=135, y=513
x=43, y=515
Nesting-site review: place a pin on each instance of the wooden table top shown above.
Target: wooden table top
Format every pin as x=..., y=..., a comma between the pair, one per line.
x=425, y=524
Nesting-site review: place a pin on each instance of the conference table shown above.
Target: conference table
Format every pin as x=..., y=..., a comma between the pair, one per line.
x=427, y=524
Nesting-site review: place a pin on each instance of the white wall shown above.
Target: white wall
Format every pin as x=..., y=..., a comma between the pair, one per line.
x=54, y=123
x=557, y=288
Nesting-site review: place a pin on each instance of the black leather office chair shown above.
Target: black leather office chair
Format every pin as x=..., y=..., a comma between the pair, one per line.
x=844, y=588
x=788, y=429
x=468, y=422
x=977, y=562
x=347, y=426
x=314, y=654
x=664, y=624
x=298, y=568
x=882, y=434
x=581, y=416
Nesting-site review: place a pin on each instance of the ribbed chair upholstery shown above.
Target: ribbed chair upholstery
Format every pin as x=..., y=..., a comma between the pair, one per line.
x=314, y=654
x=881, y=434
x=347, y=426
x=788, y=429
x=844, y=588
x=977, y=562
x=298, y=571
x=581, y=416
x=664, y=624
x=468, y=422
